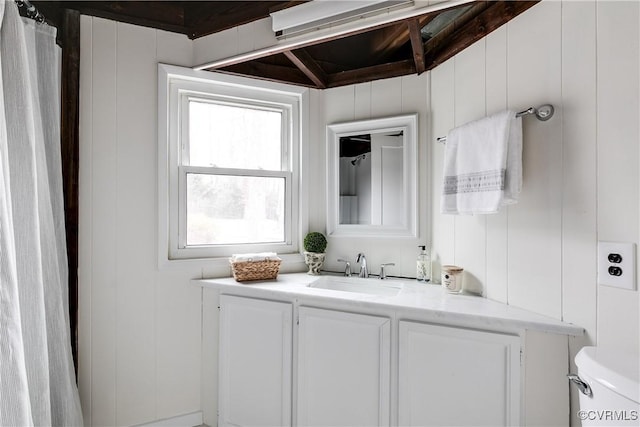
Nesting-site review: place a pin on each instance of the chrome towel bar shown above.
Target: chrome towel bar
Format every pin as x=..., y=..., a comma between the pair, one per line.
x=543, y=113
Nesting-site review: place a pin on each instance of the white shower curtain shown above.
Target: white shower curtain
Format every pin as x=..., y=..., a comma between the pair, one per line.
x=37, y=380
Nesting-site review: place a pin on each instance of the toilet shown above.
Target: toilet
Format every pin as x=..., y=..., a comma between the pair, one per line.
x=609, y=387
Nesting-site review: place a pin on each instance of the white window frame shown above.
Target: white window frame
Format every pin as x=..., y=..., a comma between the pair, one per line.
x=176, y=85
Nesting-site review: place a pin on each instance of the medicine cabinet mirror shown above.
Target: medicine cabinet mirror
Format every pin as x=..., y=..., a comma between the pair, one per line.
x=371, y=177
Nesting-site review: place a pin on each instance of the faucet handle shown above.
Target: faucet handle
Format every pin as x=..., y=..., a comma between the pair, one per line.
x=383, y=275
x=347, y=268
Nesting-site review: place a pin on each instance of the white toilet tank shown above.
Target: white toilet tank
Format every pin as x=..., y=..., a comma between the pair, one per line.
x=613, y=379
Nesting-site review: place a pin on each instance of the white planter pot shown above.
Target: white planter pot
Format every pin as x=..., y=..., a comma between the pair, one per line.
x=315, y=261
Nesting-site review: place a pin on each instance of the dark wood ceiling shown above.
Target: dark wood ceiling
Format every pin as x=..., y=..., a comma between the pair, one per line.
x=397, y=49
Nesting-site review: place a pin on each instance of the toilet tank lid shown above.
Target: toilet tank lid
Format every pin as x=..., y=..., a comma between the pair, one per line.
x=618, y=371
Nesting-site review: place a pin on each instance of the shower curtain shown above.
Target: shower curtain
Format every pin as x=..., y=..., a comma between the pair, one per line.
x=37, y=379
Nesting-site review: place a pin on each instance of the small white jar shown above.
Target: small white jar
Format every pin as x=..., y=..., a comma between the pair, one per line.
x=452, y=278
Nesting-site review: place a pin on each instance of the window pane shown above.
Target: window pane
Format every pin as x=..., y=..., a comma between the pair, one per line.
x=224, y=209
x=227, y=136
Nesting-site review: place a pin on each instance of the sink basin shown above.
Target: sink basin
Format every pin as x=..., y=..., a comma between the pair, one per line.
x=357, y=285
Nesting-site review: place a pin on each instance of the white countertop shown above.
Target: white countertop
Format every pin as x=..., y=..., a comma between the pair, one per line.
x=413, y=300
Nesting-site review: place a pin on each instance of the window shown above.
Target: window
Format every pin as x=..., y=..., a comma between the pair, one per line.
x=229, y=165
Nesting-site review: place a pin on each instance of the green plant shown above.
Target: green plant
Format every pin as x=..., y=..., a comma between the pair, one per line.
x=315, y=242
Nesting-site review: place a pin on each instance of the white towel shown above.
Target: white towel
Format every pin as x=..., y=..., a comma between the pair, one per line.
x=255, y=257
x=483, y=165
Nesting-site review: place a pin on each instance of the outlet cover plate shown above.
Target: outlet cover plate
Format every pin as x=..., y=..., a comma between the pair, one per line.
x=627, y=280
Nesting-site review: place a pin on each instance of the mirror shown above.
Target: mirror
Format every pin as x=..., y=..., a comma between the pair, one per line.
x=371, y=177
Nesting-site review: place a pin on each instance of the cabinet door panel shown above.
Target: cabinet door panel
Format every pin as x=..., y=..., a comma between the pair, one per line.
x=255, y=362
x=456, y=377
x=343, y=369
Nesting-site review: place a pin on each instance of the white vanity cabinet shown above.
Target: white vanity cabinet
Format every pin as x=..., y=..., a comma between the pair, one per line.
x=255, y=362
x=343, y=368
x=457, y=377
x=343, y=365
x=289, y=354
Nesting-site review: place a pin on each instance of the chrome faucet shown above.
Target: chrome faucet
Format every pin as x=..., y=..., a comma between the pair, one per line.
x=363, y=265
x=383, y=274
x=347, y=268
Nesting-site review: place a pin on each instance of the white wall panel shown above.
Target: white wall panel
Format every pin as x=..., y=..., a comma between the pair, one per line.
x=470, y=237
x=443, y=119
x=580, y=168
x=210, y=323
x=102, y=244
x=339, y=105
x=85, y=217
x=414, y=88
x=386, y=97
x=362, y=101
x=220, y=45
x=135, y=139
x=533, y=55
x=177, y=310
x=178, y=315
x=618, y=149
x=579, y=200
x=145, y=326
x=579, y=214
x=173, y=49
x=315, y=161
x=496, y=286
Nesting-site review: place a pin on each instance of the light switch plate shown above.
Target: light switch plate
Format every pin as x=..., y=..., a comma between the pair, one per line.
x=609, y=265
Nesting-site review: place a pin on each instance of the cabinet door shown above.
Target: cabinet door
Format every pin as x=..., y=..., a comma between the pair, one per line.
x=452, y=376
x=255, y=362
x=343, y=369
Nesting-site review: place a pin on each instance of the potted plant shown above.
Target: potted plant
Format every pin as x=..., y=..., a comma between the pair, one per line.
x=314, y=245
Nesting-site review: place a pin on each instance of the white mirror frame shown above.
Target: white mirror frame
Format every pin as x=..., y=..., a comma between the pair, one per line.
x=409, y=125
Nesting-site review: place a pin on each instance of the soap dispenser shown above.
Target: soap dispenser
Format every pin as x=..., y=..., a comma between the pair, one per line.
x=423, y=265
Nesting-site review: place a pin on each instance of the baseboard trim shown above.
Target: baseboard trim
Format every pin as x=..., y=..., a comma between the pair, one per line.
x=186, y=420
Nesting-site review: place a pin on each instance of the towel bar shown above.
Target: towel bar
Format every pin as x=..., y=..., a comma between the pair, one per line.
x=543, y=113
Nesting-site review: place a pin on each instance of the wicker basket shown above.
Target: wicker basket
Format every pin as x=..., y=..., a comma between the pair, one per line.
x=244, y=271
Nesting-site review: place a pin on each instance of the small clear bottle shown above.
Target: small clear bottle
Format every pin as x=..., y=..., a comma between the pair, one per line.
x=423, y=265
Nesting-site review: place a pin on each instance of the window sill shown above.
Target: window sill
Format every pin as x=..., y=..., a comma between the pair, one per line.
x=219, y=267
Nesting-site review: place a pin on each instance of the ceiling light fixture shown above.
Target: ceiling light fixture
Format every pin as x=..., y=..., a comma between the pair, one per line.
x=319, y=14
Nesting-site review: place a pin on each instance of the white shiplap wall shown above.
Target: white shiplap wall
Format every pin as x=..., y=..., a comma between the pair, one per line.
x=140, y=328
x=618, y=148
x=581, y=179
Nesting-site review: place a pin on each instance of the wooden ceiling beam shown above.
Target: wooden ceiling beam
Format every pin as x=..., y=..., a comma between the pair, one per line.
x=308, y=66
x=443, y=35
x=269, y=72
x=389, y=50
x=192, y=18
x=496, y=15
x=395, y=39
x=417, y=46
x=375, y=72
x=168, y=16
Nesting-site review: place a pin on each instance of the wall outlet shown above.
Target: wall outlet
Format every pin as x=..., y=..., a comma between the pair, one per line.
x=617, y=264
